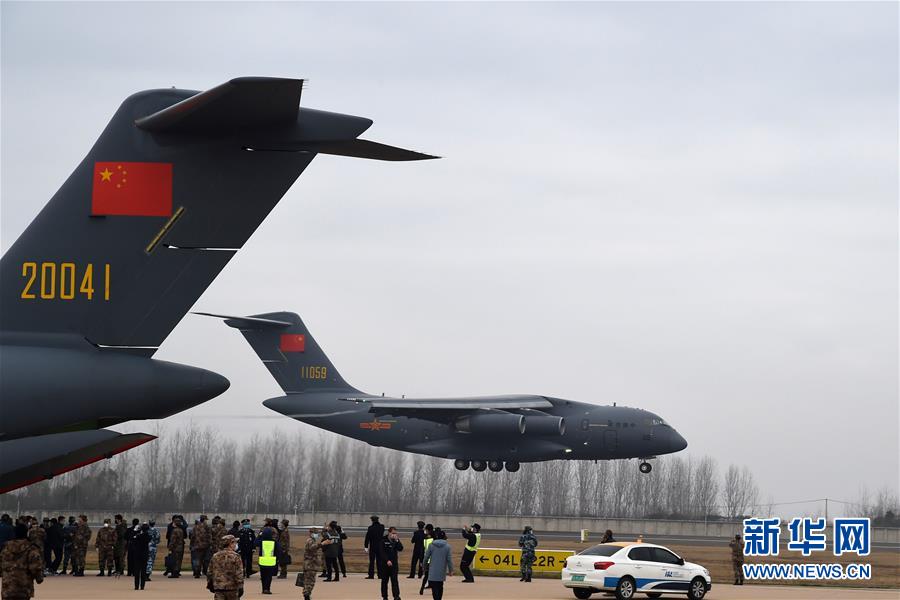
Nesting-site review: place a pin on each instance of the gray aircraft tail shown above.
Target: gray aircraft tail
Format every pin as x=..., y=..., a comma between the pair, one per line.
x=289, y=351
x=174, y=186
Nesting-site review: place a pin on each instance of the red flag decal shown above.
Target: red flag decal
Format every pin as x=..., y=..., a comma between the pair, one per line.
x=137, y=189
x=292, y=342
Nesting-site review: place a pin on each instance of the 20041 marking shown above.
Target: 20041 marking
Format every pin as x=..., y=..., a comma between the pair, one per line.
x=61, y=281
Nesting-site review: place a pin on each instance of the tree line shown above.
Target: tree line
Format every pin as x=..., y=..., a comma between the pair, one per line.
x=197, y=469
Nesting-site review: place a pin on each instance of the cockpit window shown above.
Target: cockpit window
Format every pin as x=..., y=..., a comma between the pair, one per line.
x=658, y=422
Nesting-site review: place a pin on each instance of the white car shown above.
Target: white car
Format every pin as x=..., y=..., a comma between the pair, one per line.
x=628, y=568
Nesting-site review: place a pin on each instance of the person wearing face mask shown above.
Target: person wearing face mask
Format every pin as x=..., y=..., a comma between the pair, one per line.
x=246, y=540
x=268, y=558
x=176, y=548
x=388, y=552
x=121, y=541
x=129, y=536
x=138, y=551
x=151, y=549
x=225, y=576
x=312, y=560
x=105, y=544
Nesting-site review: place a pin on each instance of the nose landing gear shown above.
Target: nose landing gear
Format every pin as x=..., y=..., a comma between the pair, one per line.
x=645, y=467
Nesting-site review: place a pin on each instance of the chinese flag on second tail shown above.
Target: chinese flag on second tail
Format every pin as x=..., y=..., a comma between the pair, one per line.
x=136, y=189
x=292, y=342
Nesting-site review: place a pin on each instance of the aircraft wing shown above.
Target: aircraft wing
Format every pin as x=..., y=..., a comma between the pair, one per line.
x=29, y=460
x=440, y=408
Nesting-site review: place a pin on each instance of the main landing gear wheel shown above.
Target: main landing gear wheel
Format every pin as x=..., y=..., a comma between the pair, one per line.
x=645, y=467
x=582, y=593
x=512, y=467
x=479, y=465
x=495, y=465
x=461, y=464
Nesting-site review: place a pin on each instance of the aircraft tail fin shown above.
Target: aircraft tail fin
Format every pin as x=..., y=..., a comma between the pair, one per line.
x=172, y=189
x=292, y=355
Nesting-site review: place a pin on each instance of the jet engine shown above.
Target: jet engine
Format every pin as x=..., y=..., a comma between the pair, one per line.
x=502, y=423
x=544, y=426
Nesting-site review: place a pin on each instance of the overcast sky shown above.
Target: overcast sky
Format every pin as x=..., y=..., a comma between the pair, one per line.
x=690, y=208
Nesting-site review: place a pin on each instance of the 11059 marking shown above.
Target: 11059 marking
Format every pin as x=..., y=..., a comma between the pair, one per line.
x=61, y=281
x=314, y=372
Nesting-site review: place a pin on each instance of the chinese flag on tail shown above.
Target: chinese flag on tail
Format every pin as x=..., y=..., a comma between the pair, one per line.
x=292, y=342
x=137, y=189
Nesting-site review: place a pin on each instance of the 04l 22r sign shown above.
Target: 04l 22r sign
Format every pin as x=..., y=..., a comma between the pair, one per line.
x=507, y=559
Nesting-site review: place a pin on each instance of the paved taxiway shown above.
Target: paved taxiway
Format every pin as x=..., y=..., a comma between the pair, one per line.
x=356, y=586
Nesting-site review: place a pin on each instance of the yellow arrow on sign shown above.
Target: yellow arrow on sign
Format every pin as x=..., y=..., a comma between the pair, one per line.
x=507, y=559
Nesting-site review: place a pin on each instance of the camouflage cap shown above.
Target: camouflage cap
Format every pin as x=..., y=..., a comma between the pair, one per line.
x=228, y=540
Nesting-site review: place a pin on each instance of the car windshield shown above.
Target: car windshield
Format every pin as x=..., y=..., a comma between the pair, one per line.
x=601, y=550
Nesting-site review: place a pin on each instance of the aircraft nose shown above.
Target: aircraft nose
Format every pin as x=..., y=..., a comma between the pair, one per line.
x=678, y=442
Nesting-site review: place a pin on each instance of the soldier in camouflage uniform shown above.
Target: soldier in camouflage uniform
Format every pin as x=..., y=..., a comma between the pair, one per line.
x=176, y=549
x=121, y=529
x=284, y=540
x=737, y=559
x=312, y=560
x=106, y=545
x=37, y=535
x=201, y=538
x=151, y=547
x=218, y=531
x=80, y=540
x=225, y=578
x=527, y=542
x=21, y=564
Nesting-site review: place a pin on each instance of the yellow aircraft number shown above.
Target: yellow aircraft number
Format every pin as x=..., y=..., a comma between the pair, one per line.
x=313, y=372
x=62, y=281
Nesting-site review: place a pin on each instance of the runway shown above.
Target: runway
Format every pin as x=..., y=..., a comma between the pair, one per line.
x=356, y=586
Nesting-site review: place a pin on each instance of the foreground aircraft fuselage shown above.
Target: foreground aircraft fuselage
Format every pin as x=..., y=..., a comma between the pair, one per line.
x=176, y=184
x=482, y=432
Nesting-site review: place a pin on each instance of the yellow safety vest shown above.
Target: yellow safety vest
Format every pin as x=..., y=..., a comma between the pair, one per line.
x=477, y=543
x=428, y=543
x=267, y=554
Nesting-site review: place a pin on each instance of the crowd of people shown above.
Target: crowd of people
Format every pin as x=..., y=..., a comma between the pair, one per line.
x=31, y=550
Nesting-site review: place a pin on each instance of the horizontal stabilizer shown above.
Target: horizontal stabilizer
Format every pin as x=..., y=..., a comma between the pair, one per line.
x=242, y=103
x=29, y=460
x=253, y=323
x=357, y=148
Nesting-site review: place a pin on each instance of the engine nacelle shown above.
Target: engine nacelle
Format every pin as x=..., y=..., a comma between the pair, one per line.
x=497, y=423
x=545, y=426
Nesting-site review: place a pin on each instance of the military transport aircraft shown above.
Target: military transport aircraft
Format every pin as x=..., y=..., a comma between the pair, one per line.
x=485, y=432
x=174, y=186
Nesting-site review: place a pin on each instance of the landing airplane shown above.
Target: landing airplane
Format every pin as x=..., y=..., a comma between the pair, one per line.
x=484, y=432
x=172, y=189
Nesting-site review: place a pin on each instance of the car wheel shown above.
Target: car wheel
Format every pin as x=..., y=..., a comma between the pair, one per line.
x=625, y=589
x=582, y=593
x=697, y=589
x=654, y=594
